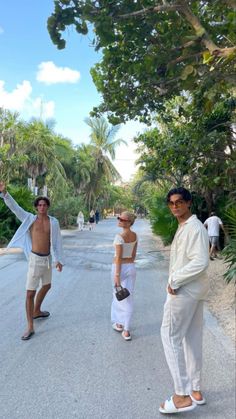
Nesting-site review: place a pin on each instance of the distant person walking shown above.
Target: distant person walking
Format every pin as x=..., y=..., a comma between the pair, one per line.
x=40, y=238
x=124, y=274
x=91, y=220
x=80, y=221
x=182, y=324
x=97, y=215
x=213, y=225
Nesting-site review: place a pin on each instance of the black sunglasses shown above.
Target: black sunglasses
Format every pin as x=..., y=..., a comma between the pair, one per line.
x=122, y=219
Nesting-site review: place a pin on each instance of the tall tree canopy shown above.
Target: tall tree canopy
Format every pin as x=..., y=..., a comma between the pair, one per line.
x=151, y=49
x=191, y=147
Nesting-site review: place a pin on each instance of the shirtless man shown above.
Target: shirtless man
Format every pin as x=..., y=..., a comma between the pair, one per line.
x=39, y=236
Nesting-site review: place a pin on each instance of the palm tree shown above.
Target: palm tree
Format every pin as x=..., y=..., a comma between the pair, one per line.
x=102, y=139
x=84, y=167
x=10, y=152
x=38, y=144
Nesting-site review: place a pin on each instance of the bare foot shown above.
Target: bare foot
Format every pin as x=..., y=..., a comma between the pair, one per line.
x=182, y=401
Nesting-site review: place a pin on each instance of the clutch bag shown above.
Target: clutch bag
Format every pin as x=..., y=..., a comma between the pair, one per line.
x=122, y=293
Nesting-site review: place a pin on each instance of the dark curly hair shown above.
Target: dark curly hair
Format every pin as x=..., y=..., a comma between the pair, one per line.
x=41, y=198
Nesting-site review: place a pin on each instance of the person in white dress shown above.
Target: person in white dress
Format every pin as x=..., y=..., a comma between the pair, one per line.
x=80, y=221
x=124, y=274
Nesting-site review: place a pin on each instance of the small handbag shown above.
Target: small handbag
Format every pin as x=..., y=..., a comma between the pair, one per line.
x=122, y=293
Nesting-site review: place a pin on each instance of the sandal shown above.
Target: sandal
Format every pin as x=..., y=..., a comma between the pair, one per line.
x=125, y=337
x=199, y=402
x=117, y=328
x=169, y=407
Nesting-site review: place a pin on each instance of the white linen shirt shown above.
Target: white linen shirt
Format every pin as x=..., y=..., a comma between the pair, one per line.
x=189, y=258
x=22, y=237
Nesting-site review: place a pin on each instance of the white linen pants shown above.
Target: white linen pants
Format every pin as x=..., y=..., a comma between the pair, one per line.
x=80, y=225
x=121, y=311
x=181, y=334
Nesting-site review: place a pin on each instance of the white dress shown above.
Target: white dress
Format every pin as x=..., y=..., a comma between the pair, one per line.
x=121, y=311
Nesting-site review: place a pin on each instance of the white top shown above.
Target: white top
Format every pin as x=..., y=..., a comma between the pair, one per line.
x=127, y=247
x=22, y=237
x=189, y=258
x=213, y=225
x=80, y=218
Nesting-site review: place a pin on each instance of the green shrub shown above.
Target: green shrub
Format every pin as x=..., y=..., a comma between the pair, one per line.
x=229, y=251
x=162, y=222
x=66, y=211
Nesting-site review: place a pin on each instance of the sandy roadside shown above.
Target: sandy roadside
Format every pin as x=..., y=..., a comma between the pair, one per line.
x=221, y=298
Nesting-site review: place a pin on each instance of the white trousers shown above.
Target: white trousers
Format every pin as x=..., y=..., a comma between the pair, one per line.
x=121, y=311
x=80, y=225
x=181, y=333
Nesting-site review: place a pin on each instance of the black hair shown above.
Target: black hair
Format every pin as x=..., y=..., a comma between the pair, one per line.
x=41, y=198
x=213, y=213
x=186, y=195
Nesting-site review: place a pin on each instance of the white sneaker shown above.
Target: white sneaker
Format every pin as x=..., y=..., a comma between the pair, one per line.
x=117, y=328
x=126, y=337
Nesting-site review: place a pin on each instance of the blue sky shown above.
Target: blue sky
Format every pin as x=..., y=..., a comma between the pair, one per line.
x=38, y=80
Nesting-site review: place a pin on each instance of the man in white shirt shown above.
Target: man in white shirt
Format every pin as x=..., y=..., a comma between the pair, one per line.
x=182, y=324
x=213, y=225
x=39, y=236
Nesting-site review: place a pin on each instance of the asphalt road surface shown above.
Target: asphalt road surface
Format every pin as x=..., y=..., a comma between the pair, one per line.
x=76, y=366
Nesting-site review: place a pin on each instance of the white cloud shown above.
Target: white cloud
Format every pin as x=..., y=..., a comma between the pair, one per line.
x=16, y=99
x=1, y=30
x=43, y=109
x=126, y=155
x=20, y=100
x=49, y=73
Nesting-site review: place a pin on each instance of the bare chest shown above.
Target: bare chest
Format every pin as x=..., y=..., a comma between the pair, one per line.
x=40, y=227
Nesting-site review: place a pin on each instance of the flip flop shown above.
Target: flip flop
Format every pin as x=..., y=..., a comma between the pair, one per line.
x=169, y=407
x=27, y=336
x=199, y=402
x=42, y=315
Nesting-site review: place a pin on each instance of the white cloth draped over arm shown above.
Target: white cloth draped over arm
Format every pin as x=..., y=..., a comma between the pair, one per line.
x=57, y=241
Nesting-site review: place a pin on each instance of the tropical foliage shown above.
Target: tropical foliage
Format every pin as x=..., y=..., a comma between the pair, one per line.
x=191, y=147
x=230, y=249
x=151, y=49
x=8, y=221
x=75, y=178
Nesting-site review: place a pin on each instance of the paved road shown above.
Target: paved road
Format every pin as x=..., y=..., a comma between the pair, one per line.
x=76, y=366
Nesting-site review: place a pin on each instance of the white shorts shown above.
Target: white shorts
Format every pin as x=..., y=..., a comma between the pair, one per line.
x=40, y=269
